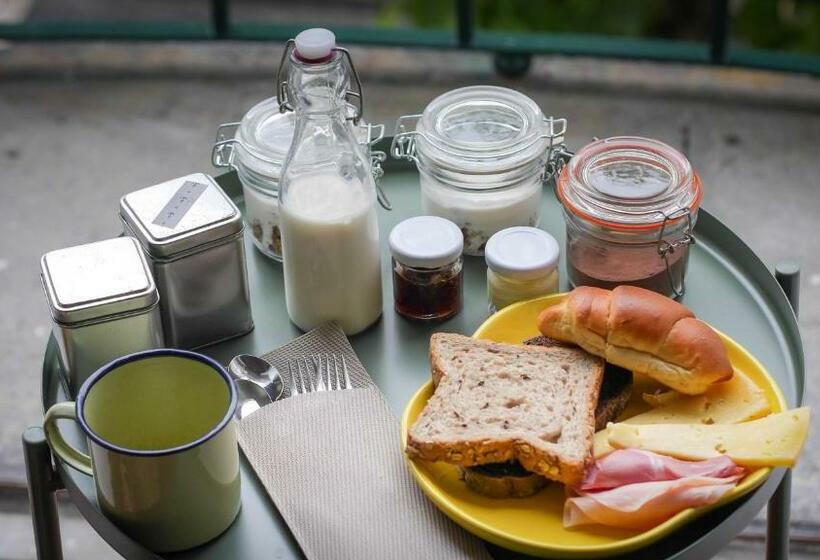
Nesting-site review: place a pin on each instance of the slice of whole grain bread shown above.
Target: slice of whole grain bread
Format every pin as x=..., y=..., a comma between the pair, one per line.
x=499, y=402
x=616, y=386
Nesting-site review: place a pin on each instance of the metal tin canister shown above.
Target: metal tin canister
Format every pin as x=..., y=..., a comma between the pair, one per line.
x=192, y=234
x=103, y=302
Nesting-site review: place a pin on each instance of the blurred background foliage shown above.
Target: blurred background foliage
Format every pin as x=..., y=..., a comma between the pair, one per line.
x=789, y=25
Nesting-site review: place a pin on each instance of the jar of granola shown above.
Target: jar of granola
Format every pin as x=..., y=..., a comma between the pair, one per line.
x=256, y=148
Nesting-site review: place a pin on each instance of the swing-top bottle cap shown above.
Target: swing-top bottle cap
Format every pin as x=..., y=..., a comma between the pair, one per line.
x=315, y=44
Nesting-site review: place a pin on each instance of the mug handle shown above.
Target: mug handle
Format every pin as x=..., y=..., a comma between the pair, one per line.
x=69, y=454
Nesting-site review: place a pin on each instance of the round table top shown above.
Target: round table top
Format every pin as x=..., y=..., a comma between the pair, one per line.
x=727, y=286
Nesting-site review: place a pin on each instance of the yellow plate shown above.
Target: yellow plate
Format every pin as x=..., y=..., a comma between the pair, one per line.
x=534, y=525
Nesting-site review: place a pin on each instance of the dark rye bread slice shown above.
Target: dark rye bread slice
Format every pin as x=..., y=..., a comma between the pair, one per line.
x=503, y=480
x=616, y=388
x=499, y=402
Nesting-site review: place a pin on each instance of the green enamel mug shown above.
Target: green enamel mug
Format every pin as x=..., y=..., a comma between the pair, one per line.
x=162, y=446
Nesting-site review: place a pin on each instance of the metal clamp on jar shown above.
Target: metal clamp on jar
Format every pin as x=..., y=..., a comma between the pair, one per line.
x=256, y=148
x=630, y=206
x=192, y=234
x=483, y=153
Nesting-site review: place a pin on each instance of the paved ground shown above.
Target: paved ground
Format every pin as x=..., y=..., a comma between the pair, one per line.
x=81, y=125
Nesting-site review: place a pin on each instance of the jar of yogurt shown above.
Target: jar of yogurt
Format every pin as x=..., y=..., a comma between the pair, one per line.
x=256, y=148
x=481, y=152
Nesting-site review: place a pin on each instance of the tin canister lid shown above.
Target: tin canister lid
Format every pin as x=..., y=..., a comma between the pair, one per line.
x=97, y=280
x=180, y=214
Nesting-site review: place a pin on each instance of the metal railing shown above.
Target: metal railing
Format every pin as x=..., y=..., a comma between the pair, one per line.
x=513, y=50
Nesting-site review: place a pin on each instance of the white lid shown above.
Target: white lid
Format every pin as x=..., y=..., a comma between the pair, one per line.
x=97, y=280
x=522, y=252
x=426, y=242
x=315, y=43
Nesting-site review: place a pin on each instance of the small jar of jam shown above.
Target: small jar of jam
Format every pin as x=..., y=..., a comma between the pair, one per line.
x=630, y=206
x=427, y=268
x=522, y=263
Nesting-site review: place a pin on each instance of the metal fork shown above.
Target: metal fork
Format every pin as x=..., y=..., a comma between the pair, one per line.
x=335, y=369
x=308, y=375
x=302, y=377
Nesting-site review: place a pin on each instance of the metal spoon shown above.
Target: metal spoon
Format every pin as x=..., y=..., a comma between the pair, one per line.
x=252, y=397
x=258, y=371
x=257, y=381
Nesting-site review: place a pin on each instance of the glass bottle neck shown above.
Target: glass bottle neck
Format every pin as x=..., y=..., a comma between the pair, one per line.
x=318, y=90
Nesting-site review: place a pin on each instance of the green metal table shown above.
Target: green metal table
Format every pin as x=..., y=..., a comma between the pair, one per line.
x=727, y=285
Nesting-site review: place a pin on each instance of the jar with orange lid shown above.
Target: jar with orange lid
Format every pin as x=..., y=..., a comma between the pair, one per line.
x=630, y=206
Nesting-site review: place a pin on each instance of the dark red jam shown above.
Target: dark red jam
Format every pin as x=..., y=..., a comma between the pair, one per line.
x=428, y=294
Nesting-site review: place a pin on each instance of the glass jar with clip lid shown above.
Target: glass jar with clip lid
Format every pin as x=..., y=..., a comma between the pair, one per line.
x=483, y=154
x=256, y=148
x=630, y=206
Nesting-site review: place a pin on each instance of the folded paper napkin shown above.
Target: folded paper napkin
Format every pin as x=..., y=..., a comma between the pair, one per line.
x=332, y=463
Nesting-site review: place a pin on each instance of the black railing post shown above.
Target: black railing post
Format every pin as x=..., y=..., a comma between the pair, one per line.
x=720, y=31
x=220, y=18
x=787, y=274
x=42, y=483
x=464, y=23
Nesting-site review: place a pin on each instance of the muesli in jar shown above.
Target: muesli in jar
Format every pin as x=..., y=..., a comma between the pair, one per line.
x=630, y=206
x=257, y=151
x=481, y=152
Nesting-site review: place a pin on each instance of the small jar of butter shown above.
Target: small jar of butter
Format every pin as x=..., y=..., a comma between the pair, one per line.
x=522, y=263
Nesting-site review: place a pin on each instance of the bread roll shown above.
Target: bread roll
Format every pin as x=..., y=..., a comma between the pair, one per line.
x=642, y=331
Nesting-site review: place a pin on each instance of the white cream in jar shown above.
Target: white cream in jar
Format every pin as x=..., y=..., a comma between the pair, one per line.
x=479, y=215
x=481, y=153
x=522, y=264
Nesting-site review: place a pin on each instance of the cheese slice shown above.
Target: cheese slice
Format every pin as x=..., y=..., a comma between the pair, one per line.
x=773, y=441
x=737, y=400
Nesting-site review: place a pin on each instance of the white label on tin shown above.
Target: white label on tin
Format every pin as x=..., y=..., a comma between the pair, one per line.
x=179, y=204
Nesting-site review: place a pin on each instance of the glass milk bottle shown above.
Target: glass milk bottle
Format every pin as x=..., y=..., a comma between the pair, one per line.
x=330, y=233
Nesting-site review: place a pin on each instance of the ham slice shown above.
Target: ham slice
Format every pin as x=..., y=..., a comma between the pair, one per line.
x=645, y=504
x=628, y=466
x=636, y=489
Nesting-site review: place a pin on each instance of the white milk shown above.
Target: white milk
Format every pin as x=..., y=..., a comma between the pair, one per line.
x=330, y=243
